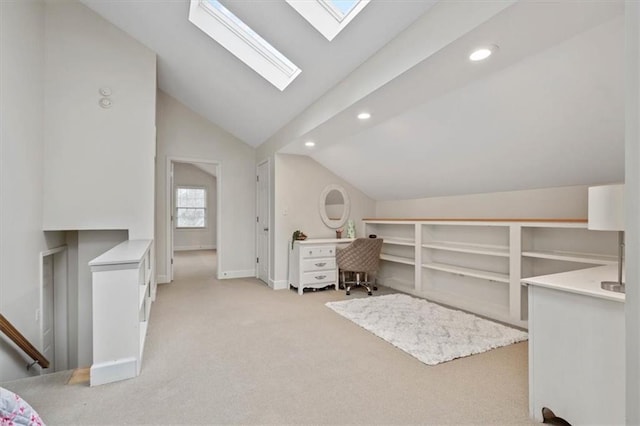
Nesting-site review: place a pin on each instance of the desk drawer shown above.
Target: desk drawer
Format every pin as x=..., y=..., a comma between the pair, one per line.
x=318, y=251
x=319, y=277
x=318, y=264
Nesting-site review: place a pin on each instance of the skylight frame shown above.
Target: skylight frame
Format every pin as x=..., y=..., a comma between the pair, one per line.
x=324, y=16
x=337, y=14
x=243, y=42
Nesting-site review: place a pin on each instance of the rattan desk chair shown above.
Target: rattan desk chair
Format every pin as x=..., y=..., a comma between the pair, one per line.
x=358, y=263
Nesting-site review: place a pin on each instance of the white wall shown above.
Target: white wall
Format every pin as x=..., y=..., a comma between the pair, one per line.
x=299, y=181
x=21, y=138
x=84, y=246
x=196, y=239
x=99, y=168
x=187, y=135
x=632, y=188
x=547, y=203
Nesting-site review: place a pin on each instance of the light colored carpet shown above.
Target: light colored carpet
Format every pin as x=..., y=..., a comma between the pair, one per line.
x=430, y=332
x=237, y=352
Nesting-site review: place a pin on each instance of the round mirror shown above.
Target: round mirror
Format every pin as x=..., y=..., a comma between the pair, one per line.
x=334, y=206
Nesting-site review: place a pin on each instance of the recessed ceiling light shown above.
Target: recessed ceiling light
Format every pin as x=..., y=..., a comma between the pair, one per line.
x=310, y=144
x=364, y=116
x=482, y=53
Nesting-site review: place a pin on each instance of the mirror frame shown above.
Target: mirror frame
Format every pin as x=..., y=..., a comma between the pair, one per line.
x=333, y=223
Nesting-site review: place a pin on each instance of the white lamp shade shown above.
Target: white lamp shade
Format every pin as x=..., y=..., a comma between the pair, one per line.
x=606, y=208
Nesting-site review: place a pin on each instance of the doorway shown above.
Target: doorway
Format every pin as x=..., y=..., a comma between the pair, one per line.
x=53, y=311
x=193, y=208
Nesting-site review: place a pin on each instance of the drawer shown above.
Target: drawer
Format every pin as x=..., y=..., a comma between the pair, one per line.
x=319, y=277
x=318, y=251
x=318, y=264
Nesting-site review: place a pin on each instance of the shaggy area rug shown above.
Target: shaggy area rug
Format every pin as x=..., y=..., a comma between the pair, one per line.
x=425, y=330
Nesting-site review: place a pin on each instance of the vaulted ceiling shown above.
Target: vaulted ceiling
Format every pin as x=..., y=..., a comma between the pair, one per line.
x=200, y=73
x=546, y=110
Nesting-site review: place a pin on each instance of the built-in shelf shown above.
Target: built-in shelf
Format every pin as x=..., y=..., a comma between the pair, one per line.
x=397, y=259
x=595, y=259
x=465, y=263
x=468, y=272
x=468, y=248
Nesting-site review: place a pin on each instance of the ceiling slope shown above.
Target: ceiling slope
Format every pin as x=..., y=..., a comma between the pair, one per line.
x=211, y=81
x=545, y=111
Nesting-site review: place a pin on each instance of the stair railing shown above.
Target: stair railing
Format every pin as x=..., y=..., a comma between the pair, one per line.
x=16, y=337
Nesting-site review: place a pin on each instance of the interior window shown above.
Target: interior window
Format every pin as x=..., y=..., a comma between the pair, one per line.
x=191, y=207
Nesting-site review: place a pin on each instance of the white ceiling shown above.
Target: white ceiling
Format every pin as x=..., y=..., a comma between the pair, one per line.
x=547, y=110
x=211, y=81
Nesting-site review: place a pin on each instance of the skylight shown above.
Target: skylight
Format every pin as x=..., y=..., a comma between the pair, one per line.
x=238, y=38
x=329, y=17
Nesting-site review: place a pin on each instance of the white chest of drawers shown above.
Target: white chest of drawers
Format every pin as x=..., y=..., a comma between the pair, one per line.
x=312, y=263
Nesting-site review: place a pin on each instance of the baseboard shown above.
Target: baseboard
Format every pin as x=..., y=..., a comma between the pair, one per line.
x=113, y=371
x=278, y=285
x=247, y=273
x=189, y=248
x=162, y=279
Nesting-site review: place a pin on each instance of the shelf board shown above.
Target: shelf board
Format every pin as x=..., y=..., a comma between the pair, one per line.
x=565, y=256
x=397, y=241
x=475, y=273
x=398, y=259
x=142, y=293
x=469, y=248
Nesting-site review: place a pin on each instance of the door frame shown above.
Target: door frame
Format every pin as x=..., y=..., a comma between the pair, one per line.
x=268, y=164
x=60, y=307
x=170, y=209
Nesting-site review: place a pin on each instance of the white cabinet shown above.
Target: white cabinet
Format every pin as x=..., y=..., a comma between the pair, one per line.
x=477, y=265
x=312, y=263
x=577, y=347
x=122, y=294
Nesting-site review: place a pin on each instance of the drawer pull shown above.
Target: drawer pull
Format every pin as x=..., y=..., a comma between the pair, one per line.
x=321, y=263
x=320, y=277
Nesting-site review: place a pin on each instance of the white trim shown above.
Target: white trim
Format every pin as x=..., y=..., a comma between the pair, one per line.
x=112, y=371
x=190, y=248
x=244, y=43
x=61, y=307
x=323, y=18
x=169, y=207
x=247, y=273
x=162, y=279
x=279, y=285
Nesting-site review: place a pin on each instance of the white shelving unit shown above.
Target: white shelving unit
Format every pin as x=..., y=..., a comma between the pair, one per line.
x=478, y=264
x=122, y=296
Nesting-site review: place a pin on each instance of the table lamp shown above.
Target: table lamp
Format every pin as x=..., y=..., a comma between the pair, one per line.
x=606, y=213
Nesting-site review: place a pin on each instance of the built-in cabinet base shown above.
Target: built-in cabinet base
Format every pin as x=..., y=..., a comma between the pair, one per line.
x=577, y=347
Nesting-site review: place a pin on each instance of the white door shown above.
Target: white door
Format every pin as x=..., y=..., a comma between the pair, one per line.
x=48, y=337
x=263, y=222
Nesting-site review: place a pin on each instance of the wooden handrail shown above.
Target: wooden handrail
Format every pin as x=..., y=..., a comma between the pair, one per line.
x=16, y=337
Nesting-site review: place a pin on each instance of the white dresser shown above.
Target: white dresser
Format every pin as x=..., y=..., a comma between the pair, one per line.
x=312, y=263
x=576, y=347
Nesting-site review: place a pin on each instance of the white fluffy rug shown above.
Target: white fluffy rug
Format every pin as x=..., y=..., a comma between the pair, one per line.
x=428, y=331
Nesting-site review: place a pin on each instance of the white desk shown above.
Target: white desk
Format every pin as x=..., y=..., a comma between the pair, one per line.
x=577, y=347
x=312, y=263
